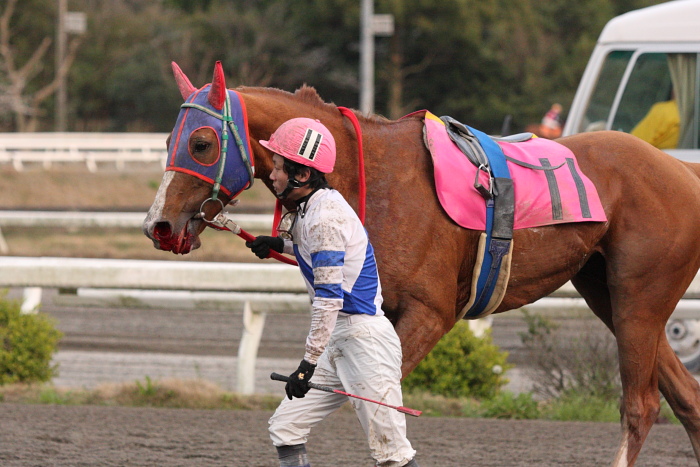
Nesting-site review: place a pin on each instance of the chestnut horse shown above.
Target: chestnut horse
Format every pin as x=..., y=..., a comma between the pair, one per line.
x=632, y=270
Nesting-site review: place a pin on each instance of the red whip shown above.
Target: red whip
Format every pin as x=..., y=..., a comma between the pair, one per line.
x=406, y=410
x=231, y=226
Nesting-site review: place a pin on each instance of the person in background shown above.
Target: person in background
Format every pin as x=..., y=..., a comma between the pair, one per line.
x=351, y=345
x=661, y=125
x=550, y=127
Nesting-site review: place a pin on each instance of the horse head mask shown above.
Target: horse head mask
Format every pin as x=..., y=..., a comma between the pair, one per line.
x=210, y=142
x=212, y=106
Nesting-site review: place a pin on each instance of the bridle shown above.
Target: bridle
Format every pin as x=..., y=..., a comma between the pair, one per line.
x=226, y=124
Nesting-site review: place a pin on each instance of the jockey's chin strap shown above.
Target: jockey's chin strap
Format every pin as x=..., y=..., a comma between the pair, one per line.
x=226, y=124
x=291, y=185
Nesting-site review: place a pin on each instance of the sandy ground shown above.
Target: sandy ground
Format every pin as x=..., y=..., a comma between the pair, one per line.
x=113, y=436
x=72, y=187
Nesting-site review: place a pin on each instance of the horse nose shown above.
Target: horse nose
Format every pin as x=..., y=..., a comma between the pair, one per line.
x=162, y=230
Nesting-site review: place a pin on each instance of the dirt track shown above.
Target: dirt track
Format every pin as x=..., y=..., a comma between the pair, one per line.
x=112, y=436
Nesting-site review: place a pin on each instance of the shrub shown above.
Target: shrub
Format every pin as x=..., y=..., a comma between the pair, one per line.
x=461, y=365
x=580, y=407
x=27, y=344
x=585, y=365
x=508, y=406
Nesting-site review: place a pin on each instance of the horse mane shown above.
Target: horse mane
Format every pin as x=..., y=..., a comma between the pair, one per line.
x=308, y=95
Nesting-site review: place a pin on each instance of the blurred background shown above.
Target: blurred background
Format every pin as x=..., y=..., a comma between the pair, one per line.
x=476, y=60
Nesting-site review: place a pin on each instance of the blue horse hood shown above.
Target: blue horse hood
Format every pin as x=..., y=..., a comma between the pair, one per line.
x=236, y=176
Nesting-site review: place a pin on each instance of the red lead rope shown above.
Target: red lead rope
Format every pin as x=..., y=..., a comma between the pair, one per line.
x=249, y=238
x=278, y=205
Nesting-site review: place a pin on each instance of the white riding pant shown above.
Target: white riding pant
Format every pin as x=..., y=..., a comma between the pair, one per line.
x=363, y=357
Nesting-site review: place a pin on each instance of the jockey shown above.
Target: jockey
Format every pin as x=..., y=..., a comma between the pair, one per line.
x=351, y=344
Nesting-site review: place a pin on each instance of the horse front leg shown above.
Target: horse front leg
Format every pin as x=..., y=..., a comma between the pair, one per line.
x=419, y=328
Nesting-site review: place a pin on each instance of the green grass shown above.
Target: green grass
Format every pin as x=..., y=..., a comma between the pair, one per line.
x=583, y=408
x=169, y=393
x=200, y=394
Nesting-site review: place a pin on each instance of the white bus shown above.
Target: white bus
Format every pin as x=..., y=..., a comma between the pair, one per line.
x=644, y=60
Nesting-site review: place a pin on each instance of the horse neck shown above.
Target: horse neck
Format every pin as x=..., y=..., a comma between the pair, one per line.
x=384, y=142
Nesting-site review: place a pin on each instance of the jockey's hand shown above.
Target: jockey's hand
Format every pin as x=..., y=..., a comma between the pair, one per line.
x=262, y=245
x=298, y=384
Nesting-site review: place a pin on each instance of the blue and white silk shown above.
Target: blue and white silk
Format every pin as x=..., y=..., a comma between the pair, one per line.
x=338, y=265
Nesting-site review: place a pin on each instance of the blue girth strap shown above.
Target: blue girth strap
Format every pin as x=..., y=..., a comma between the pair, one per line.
x=499, y=222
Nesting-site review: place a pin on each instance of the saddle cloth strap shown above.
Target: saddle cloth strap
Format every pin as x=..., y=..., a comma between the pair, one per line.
x=500, y=214
x=499, y=287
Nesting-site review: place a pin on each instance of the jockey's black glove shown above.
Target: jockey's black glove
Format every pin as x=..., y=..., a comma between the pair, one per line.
x=262, y=245
x=298, y=384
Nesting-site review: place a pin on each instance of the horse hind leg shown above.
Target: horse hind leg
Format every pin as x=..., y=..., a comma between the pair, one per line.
x=680, y=389
x=682, y=392
x=637, y=341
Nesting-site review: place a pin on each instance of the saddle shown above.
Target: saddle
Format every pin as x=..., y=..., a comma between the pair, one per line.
x=497, y=185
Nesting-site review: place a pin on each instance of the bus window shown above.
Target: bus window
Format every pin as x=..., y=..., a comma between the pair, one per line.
x=660, y=88
x=649, y=83
x=606, y=87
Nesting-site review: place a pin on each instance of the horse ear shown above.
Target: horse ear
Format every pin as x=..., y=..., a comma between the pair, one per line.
x=217, y=92
x=183, y=83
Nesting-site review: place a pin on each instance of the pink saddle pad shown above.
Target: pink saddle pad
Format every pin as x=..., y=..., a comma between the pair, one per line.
x=556, y=196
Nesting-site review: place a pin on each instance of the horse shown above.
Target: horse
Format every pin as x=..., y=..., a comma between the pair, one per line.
x=631, y=269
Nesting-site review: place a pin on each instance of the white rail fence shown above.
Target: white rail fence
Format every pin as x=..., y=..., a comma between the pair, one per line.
x=80, y=219
x=257, y=289
x=84, y=219
x=90, y=149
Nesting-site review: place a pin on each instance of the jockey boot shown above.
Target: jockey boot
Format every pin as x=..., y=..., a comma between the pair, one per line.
x=411, y=463
x=293, y=456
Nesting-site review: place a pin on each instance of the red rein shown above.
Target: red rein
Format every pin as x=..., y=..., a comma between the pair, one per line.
x=362, y=190
x=361, y=161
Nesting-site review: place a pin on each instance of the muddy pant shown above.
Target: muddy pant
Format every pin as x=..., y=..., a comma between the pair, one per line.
x=363, y=357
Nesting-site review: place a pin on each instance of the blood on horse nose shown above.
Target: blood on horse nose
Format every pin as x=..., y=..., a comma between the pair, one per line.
x=162, y=232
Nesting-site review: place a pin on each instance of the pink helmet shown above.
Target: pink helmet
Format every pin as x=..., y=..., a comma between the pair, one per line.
x=305, y=141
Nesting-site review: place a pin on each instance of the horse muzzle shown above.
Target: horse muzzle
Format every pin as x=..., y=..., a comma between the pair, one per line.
x=166, y=238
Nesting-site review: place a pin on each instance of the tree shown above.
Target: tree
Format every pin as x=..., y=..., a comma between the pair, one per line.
x=17, y=95
x=123, y=75
x=476, y=60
